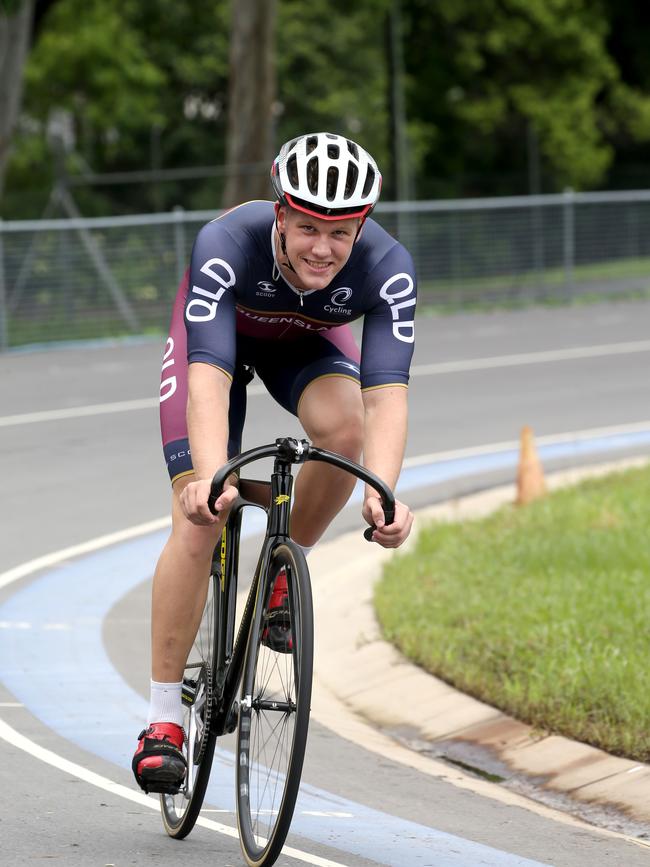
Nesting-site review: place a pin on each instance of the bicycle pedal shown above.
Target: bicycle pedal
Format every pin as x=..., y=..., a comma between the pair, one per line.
x=188, y=692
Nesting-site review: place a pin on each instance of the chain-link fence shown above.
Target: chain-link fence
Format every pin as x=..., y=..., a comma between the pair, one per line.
x=83, y=278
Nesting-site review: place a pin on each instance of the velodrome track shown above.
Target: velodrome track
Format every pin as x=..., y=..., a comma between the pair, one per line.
x=80, y=458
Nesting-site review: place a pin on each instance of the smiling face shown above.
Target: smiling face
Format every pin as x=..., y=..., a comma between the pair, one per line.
x=316, y=248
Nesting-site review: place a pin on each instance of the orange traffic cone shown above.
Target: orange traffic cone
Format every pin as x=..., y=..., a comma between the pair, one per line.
x=530, y=474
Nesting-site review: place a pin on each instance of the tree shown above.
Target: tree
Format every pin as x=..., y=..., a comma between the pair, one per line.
x=332, y=71
x=143, y=85
x=483, y=73
x=251, y=100
x=15, y=28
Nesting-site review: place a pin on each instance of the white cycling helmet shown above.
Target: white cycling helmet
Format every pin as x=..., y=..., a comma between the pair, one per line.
x=326, y=175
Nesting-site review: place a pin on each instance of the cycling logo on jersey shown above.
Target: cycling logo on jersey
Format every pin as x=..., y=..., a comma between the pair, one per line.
x=349, y=365
x=168, y=385
x=399, y=293
x=219, y=272
x=266, y=289
x=339, y=298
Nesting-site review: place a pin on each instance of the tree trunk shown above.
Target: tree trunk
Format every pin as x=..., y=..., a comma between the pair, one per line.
x=15, y=32
x=251, y=96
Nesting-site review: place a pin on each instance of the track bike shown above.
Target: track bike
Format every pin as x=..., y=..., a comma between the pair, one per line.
x=237, y=679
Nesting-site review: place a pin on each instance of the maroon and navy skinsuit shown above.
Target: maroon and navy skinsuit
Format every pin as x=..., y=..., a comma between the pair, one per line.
x=234, y=310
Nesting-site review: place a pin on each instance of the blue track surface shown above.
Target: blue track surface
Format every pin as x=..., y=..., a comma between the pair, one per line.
x=52, y=658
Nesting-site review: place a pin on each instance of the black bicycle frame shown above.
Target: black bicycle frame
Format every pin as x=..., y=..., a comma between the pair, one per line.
x=231, y=651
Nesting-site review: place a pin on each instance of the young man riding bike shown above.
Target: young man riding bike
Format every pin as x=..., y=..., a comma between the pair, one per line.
x=271, y=289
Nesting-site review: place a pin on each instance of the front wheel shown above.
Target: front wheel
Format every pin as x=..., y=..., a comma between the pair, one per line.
x=180, y=811
x=274, y=708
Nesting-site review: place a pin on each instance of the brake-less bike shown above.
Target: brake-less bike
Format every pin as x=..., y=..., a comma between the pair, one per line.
x=246, y=679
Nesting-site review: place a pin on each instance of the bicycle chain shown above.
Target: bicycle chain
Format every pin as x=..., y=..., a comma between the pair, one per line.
x=207, y=714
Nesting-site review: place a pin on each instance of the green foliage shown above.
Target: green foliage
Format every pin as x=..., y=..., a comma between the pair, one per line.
x=541, y=611
x=146, y=85
x=10, y=7
x=91, y=62
x=332, y=71
x=487, y=72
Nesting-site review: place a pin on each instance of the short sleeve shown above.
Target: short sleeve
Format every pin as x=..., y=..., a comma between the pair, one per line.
x=217, y=268
x=389, y=321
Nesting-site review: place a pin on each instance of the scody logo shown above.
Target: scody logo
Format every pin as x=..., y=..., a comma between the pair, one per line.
x=339, y=297
x=266, y=288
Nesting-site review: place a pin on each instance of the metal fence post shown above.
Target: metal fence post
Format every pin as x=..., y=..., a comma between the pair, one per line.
x=179, y=243
x=569, y=238
x=4, y=324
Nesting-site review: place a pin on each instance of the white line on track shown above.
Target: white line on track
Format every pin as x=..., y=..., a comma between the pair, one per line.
x=48, y=560
x=570, y=354
x=78, y=411
x=56, y=557
x=436, y=369
x=95, y=409
x=11, y=736
x=549, y=440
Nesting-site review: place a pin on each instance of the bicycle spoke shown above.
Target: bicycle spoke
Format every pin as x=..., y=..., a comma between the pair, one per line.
x=273, y=724
x=180, y=811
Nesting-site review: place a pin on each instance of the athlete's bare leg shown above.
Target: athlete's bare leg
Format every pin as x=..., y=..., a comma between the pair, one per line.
x=331, y=412
x=179, y=590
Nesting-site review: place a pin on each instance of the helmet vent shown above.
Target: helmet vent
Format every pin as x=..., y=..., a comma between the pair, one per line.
x=351, y=180
x=332, y=183
x=326, y=175
x=312, y=175
x=370, y=179
x=292, y=170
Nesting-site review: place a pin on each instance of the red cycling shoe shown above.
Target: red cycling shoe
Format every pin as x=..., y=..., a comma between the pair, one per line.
x=159, y=764
x=277, y=632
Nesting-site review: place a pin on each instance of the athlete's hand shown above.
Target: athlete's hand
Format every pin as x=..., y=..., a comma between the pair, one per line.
x=194, y=502
x=388, y=535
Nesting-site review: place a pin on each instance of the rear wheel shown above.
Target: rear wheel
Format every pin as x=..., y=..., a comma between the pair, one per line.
x=274, y=713
x=181, y=811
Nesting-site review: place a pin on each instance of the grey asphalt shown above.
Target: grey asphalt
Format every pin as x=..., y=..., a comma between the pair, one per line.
x=72, y=480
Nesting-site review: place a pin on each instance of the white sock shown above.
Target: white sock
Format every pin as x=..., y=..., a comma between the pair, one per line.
x=305, y=549
x=165, y=704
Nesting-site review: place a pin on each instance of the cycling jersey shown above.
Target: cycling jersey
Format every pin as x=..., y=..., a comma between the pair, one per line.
x=236, y=287
x=235, y=308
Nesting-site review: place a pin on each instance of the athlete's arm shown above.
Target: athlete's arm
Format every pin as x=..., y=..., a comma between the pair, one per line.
x=387, y=348
x=217, y=264
x=207, y=426
x=386, y=412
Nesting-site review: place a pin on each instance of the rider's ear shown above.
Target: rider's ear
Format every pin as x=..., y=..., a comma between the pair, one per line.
x=281, y=216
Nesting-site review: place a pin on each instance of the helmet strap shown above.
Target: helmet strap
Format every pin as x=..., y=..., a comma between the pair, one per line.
x=283, y=245
x=359, y=228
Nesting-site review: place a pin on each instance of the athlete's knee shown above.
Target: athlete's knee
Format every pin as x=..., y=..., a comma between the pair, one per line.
x=194, y=542
x=342, y=433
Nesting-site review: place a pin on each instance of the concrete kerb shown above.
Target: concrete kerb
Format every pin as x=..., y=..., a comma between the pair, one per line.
x=375, y=681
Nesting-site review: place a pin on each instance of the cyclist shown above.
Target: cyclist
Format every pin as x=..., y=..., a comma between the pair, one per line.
x=271, y=289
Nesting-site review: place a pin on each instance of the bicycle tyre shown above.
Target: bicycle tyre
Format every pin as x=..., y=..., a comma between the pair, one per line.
x=180, y=811
x=274, y=717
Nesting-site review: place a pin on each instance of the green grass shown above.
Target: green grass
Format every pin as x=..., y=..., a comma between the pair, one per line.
x=547, y=287
x=22, y=333
x=542, y=611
